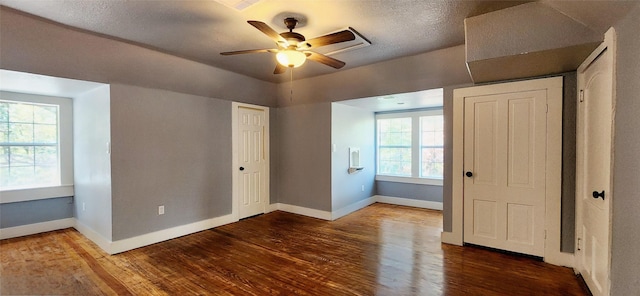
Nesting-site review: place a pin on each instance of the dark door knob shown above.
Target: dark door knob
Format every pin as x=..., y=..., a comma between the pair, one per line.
x=242, y=168
x=597, y=194
x=469, y=174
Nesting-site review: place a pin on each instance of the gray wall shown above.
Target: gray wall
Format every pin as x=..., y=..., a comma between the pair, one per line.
x=351, y=127
x=445, y=67
x=625, y=258
x=447, y=183
x=149, y=124
x=510, y=32
x=304, y=163
x=35, y=211
x=568, y=203
x=35, y=45
x=410, y=191
x=274, y=152
x=92, y=161
x=168, y=149
x=303, y=135
x=435, y=69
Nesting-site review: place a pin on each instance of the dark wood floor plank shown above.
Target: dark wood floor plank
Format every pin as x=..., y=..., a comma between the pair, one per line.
x=379, y=250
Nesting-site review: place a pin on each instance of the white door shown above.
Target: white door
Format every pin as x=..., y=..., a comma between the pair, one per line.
x=593, y=170
x=504, y=164
x=251, y=162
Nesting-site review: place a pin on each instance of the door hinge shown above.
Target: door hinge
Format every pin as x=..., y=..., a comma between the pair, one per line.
x=547, y=108
x=578, y=245
x=545, y=234
x=581, y=95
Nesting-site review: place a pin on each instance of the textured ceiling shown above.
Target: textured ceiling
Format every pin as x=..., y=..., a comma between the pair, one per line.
x=200, y=30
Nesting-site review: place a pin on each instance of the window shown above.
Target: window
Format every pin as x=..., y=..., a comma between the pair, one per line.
x=410, y=147
x=394, y=147
x=28, y=145
x=432, y=146
x=35, y=147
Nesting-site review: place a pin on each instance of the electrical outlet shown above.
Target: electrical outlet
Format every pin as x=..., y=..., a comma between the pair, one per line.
x=362, y=188
x=84, y=207
x=160, y=210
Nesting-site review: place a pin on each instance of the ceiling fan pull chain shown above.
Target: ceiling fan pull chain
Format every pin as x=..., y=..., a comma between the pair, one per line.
x=291, y=85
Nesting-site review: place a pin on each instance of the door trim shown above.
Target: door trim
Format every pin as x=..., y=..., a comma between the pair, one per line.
x=553, y=86
x=235, y=198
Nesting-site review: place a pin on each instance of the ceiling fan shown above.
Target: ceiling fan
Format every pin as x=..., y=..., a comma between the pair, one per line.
x=293, y=49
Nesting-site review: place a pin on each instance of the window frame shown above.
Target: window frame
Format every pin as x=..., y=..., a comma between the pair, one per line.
x=416, y=145
x=65, y=142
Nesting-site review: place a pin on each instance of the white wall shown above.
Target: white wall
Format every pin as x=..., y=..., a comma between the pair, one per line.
x=92, y=160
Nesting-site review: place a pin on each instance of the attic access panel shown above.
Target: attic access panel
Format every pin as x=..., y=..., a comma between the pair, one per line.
x=336, y=48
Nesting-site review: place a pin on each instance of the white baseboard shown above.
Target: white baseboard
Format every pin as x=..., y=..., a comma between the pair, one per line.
x=560, y=259
x=324, y=215
x=167, y=234
x=450, y=238
x=352, y=208
x=29, y=229
x=92, y=235
x=119, y=246
x=114, y=247
x=433, y=205
x=271, y=208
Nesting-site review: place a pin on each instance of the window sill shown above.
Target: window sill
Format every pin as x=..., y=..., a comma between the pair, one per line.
x=409, y=180
x=28, y=194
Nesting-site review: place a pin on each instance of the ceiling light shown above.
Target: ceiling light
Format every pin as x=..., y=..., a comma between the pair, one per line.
x=291, y=58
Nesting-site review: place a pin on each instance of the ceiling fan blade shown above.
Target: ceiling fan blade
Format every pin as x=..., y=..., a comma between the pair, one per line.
x=248, y=51
x=279, y=69
x=264, y=28
x=332, y=38
x=320, y=58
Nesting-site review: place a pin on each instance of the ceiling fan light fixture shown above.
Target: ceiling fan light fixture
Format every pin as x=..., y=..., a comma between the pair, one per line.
x=291, y=58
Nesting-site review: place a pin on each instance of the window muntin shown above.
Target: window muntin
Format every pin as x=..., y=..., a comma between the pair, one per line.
x=410, y=145
x=29, y=145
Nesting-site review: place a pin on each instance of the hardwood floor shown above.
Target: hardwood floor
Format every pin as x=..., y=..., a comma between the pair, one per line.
x=380, y=250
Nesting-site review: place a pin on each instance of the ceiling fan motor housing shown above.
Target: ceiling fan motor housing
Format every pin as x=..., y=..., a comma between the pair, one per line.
x=291, y=23
x=293, y=48
x=293, y=36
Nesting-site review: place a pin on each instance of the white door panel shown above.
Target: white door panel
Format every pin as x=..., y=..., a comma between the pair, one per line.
x=593, y=170
x=484, y=148
x=521, y=143
x=251, y=162
x=504, y=198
